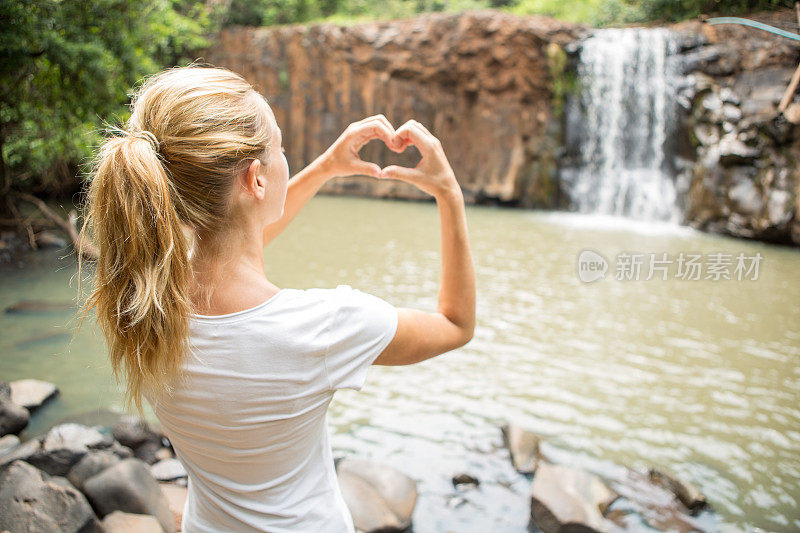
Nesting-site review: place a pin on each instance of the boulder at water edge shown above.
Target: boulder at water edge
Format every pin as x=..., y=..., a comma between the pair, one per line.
x=21, y=451
x=168, y=470
x=31, y=500
x=128, y=486
x=32, y=393
x=8, y=443
x=687, y=493
x=523, y=447
x=13, y=418
x=568, y=499
x=132, y=431
x=379, y=497
x=90, y=465
x=65, y=445
x=147, y=444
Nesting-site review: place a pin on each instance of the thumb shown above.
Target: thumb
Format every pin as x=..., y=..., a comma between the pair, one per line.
x=367, y=169
x=397, y=172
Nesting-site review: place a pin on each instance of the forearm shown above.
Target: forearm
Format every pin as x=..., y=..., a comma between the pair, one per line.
x=302, y=187
x=457, y=285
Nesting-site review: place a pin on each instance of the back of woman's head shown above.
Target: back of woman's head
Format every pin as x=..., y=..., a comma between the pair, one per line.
x=168, y=174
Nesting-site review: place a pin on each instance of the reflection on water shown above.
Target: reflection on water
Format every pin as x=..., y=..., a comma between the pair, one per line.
x=697, y=376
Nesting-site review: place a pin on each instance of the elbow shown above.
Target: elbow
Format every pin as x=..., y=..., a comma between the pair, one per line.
x=466, y=335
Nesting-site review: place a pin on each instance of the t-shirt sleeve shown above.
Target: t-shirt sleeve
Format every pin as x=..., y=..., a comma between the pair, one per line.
x=362, y=326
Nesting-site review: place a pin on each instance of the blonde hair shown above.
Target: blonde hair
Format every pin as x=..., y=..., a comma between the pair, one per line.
x=154, y=184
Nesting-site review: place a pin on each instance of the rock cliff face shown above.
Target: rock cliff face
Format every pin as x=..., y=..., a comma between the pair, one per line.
x=492, y=86
x=480, y=81
x=742, y=166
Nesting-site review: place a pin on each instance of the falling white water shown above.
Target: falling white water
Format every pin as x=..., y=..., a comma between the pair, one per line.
x=619, y=124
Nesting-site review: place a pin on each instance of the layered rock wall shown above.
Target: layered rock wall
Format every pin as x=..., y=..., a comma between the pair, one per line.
x=480, y=81
x=742, y=173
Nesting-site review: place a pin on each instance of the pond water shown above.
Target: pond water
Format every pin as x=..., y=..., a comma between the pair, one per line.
x=697, y=376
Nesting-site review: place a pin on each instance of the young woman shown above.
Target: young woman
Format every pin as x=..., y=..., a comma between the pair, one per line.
x=238, y=371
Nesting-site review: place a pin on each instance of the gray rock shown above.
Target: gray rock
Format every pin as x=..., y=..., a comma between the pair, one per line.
x=119, y=522
x=32, y=393
x=39, y=306
x=8, y=443
x=168, y=470
x=731, y=112
x=523, y=446
x=779, y=208
x=707, y=134
x=23, y=451
x=729, y=96
x=128, y=486
x=90, y=465
x=380, y=498
x=714, y=59
x=33, y=501
x=132, y=431
x=150, y=452
x=712, y=104
x=13, y=418
x=687, y=493
x=75, y=437
x=465, y=479
x=745, y=197
x=65, y=445
x=568, y=499
x=56, y=462
x=123, y=452
x=732, y=152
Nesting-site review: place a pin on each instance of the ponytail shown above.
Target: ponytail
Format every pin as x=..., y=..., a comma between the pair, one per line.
x=140, y=292
x=153, y=185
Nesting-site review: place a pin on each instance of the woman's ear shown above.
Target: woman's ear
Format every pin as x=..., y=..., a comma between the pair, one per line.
x=255, y=183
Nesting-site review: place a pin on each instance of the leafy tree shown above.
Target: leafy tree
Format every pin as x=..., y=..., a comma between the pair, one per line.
x=68, y=66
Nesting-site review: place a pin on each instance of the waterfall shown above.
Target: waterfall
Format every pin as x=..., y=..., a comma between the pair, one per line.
x=618, y=127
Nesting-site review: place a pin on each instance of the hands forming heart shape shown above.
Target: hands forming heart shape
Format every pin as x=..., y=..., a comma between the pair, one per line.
x=433, y=174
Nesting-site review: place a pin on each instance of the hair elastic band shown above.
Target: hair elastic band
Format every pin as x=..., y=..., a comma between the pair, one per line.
x=148, y=136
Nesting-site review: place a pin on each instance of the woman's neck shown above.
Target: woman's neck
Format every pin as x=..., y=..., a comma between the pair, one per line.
x=228, y=274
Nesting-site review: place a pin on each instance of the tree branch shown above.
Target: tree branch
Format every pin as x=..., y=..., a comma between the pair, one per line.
x=79, y=241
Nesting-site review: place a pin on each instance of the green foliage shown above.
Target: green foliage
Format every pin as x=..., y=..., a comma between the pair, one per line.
x=673, y=10
x=608, y=12
x=562, y=81
x=68, y=66
x=344, y=12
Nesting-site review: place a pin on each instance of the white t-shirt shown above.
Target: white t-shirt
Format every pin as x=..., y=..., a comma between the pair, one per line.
x=250, y=425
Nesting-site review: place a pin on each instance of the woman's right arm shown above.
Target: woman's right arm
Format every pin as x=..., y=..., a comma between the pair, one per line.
x=420, y=334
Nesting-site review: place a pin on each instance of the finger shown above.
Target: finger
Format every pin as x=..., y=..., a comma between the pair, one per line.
x=392, y=143
x=375, y=129
x=410, y=133
x=422, y=126
x=397, y=173
x=366, y=168
x=437, y=144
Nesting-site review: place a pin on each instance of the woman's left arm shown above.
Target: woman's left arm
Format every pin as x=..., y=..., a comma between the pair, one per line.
x=341, y=159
